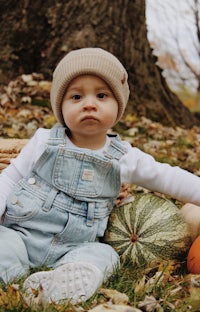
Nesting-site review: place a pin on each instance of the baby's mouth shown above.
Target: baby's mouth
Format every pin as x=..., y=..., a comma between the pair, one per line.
x=89, y=117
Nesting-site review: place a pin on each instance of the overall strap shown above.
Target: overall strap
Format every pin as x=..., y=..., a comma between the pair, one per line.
x=116, y=149
x=57, y=135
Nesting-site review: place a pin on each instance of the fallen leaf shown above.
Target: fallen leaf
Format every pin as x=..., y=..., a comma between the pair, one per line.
x=114, y=307
x=194, y=290
x=150, y=304
x=116, y=296
x=140, y=285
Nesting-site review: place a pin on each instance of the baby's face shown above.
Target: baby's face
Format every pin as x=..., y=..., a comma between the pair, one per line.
x=89, y=106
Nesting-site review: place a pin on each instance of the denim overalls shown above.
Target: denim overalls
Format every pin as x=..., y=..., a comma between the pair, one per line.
x=56, y=214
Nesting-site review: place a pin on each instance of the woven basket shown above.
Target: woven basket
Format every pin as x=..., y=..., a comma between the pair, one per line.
x=10, y=148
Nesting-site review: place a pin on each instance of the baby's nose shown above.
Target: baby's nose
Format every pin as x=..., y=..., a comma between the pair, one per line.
x=89, y=103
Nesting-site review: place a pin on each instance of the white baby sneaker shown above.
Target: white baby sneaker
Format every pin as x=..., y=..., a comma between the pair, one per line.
x=74, y=282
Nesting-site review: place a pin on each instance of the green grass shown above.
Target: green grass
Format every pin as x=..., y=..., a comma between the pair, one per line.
x=167, y=284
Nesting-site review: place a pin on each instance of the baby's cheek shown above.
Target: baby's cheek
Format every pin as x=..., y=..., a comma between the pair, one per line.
x=191, y=214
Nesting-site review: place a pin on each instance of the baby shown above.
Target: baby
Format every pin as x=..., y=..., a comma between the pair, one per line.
x=56, y=196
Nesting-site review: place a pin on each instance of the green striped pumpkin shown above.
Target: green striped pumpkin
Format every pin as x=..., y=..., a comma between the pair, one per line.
x=148, y=229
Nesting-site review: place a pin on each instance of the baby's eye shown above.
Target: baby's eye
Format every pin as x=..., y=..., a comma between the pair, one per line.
x=76, y=97
x=101, y=95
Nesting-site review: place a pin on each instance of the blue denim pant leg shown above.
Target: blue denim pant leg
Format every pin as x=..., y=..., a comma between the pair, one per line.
x=101, y=255
x=14, y=261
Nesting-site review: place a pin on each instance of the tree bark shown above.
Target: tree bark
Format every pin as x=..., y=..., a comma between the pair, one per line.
x=35, y=34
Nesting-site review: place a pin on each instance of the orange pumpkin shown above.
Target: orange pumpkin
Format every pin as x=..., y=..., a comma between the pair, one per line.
x=193, y=258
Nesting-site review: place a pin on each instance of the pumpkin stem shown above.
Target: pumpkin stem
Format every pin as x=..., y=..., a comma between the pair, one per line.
x=134, y=238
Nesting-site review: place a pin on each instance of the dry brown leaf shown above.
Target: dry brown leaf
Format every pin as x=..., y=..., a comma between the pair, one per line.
x=194, y=299
x=150, y=304
x=114, y=308
x=140, y=285
x=115, y=296
x=11, y=297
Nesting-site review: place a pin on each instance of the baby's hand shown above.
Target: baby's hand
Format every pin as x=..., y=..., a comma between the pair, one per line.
x=191, y=214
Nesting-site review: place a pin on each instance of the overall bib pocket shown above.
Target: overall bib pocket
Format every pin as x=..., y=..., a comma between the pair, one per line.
x=80, y=174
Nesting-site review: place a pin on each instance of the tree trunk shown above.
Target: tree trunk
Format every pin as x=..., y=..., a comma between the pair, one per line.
x=35, y=34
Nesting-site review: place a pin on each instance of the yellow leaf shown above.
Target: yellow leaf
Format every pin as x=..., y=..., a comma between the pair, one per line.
x=3, y=298
x=114, y=307
x=194, y=299
x=116, y=296
x=140, y=285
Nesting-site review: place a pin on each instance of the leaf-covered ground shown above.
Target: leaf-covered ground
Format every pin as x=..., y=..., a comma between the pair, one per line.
x=24, y=106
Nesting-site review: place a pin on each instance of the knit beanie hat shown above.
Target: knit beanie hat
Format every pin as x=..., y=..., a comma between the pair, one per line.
x=95, y=61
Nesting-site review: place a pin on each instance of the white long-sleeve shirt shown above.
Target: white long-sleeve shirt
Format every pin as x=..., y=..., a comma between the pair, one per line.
x=136, y=167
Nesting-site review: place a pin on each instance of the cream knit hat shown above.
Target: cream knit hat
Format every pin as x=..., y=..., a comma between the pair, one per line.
x=93, y=61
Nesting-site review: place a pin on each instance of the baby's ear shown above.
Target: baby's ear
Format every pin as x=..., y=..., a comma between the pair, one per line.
x=191, y=214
